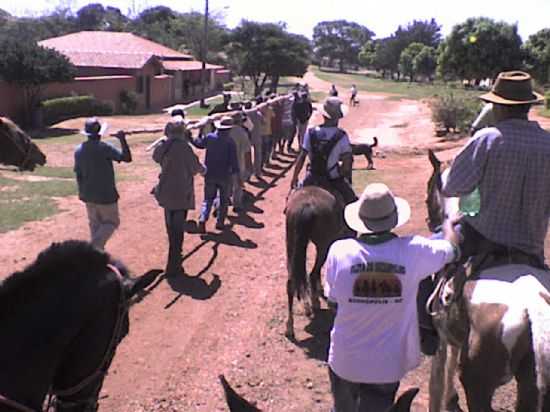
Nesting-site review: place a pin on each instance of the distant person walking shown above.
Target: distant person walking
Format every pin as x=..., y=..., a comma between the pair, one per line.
x=221, y=164
x=243, y=148
x=175, y=190
x=301, y=112
x=353, y=98
x=95, y=176
x=333, y=92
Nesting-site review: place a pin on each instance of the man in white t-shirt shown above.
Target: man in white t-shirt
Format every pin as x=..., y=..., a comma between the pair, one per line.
x=329, y=151
x=373, y=281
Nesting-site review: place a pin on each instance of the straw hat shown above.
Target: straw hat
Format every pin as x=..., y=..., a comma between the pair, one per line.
x=377, y=210
x=226, y=122
x=512, y=88
x=333, y=108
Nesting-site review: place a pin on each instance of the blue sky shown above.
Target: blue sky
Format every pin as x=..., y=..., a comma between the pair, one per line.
x=302, y=15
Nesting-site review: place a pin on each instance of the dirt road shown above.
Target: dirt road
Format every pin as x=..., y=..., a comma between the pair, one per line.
x=229, y=316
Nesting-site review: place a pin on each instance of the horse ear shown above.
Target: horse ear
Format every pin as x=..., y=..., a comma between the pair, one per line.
x=404, y=402
x=140, y=283
x=436, y=163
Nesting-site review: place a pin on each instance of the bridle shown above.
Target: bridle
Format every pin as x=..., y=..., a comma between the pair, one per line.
x=25, y=152
x=55, y=394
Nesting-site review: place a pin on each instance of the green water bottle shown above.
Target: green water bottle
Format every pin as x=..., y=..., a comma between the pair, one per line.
x=470, y=204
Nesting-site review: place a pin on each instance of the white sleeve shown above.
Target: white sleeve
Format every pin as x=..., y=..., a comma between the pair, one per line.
x=431, y=255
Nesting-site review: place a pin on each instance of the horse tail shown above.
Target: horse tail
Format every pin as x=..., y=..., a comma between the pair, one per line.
x=297, y=240
x=538, y=310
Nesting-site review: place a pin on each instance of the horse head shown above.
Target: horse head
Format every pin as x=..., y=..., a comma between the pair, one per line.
x=439, y=206
x=17, y=148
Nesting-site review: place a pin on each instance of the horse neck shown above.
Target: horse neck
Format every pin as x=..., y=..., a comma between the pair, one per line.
x=440, y=207
x=35, y=337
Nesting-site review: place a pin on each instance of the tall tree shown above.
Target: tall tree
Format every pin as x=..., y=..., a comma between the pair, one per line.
x=407, y=58
x=188, y=28
x=340, y=40
x=427, y=32
x=537, y=56
x=480, y=48
x=425, y=62
x=266, y=50
x=31, y=67
x=90, y=17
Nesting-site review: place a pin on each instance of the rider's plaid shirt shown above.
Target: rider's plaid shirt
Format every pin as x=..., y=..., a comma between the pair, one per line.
x=510, y=163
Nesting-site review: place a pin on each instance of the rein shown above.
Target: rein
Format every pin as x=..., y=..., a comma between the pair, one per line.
x=15, y=405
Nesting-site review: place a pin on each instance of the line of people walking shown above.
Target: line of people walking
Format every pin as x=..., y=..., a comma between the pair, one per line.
x=238, y=144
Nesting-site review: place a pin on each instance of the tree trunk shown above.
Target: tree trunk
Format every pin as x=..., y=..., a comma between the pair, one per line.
x=275, y=82
x=341, y=65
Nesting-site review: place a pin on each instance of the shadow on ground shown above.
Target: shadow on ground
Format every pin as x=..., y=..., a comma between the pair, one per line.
x=316, y=346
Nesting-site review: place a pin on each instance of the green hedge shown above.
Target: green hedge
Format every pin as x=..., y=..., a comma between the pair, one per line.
x=63, y=108
x=455, y=112
x=128, y=102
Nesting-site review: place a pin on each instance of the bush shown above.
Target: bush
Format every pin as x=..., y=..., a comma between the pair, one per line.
x=453, y=112
x=128, y=102
x=229, y=86
x=63, y=108
x=547, y=100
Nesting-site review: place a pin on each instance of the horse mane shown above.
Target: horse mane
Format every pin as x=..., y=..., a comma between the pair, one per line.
x=58, y=264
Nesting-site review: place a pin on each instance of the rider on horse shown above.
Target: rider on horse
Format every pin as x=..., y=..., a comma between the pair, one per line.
x=510, y=166
x=327, y=146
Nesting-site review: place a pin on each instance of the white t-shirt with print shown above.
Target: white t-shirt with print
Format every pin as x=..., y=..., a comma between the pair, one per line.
x=375, y=336
x=342, y=147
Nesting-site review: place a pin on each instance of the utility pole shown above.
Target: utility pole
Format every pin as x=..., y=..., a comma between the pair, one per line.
x=204, y=54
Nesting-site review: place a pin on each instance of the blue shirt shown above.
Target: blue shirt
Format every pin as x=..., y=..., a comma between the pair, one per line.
x=221, y=154
x=93, y=165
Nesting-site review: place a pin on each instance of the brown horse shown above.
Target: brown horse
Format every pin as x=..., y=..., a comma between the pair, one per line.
x=17, y=148
x=312, y=214
x=496, y=323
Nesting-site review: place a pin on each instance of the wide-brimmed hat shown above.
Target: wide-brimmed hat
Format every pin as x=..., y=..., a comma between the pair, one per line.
x=513, y=88
x=226, y=122
x=377, y=210
x=93, y=127
x=333, y=108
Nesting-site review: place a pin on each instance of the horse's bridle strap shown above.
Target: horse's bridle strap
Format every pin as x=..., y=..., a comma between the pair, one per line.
x=109, y=352
x=16, y=405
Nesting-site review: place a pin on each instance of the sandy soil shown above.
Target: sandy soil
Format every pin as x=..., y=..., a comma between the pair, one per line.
x=230, y=316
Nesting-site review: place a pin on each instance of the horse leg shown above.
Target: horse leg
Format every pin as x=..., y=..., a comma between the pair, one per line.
x=478, y=376
x=315, y=277
x=451, y=396
x=437, y=373
x=528, y=393
x=290, y=321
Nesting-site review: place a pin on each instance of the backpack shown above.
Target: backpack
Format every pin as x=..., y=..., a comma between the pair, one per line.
x=320, y=151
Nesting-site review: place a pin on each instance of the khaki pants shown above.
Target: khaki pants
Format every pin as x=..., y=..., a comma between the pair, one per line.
x=103, y=221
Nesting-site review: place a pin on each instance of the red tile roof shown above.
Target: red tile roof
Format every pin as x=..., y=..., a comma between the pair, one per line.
x=105, y=42
x=109, y=59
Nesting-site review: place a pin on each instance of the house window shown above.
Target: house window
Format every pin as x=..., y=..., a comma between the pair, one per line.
x=139, y=84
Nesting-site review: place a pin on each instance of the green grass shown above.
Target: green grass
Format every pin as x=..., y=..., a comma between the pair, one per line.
x=402, y=89
x=23, y=201
x=53, y=171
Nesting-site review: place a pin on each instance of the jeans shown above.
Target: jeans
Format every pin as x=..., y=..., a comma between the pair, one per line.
x=339, y=184
x=103, y=221
x=211, y=188
x=361, y=397
x=175, y=228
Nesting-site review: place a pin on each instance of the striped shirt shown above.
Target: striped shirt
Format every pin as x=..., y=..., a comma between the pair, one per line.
x=510, y=164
